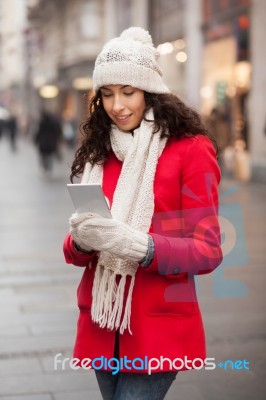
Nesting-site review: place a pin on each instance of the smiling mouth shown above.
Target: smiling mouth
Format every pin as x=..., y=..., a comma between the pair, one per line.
x=123, y=117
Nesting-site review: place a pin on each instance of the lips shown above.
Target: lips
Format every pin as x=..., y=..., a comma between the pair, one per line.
x=123, y=118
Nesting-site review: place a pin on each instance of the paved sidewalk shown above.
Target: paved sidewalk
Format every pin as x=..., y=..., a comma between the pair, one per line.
x=38, y=294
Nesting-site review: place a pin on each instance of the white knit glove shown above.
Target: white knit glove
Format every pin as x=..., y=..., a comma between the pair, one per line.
x=90, y=230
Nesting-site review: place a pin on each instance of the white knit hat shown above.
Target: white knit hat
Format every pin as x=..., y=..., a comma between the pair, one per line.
x=130, y=59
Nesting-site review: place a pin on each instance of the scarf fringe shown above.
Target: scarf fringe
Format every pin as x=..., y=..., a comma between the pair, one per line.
x=127, y=314
x=107, y=307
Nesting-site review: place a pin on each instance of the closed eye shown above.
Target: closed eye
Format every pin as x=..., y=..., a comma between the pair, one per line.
x=107, y=94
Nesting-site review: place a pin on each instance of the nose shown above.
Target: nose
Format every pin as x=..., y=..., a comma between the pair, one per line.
x=117, y=104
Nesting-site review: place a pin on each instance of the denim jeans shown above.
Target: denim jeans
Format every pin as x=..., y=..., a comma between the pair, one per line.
x=126, y=386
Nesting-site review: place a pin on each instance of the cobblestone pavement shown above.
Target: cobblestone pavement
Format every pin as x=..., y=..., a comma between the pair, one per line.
x=38, y=294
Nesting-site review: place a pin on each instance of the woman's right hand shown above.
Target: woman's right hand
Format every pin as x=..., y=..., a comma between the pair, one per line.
x=76, y=222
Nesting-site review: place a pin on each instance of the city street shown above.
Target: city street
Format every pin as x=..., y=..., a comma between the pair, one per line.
x=38, y=308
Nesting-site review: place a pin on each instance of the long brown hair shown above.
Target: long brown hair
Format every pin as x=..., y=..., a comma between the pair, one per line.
x=171, y=115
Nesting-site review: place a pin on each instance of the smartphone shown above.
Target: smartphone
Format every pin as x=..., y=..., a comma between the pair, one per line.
x=89, y=198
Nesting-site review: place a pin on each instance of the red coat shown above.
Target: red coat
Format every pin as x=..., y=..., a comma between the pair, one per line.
x=165, y=316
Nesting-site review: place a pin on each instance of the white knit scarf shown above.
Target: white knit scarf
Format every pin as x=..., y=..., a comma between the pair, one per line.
x=133, y=203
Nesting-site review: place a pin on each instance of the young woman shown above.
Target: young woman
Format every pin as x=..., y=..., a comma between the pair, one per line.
x=139, y=320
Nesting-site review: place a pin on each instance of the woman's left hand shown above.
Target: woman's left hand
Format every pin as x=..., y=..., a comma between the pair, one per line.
x=90, y=230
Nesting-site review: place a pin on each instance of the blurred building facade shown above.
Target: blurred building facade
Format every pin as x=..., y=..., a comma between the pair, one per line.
x=232, y=62
x=12, y=55
x=212, y=55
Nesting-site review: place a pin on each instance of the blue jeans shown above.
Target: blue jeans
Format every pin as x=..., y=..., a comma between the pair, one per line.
x=126, y=386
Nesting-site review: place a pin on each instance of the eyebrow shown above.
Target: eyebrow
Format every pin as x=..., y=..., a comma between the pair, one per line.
x=122, y=87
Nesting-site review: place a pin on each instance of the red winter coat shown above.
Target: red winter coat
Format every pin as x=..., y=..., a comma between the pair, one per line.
x=165, y=316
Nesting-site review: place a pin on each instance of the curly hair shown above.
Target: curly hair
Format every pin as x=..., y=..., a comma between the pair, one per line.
x=171, y=115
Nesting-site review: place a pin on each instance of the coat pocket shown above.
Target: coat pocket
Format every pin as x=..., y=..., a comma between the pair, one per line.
x=170, y=297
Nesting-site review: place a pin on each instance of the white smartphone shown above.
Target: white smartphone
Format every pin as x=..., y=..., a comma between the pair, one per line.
x=89, y=198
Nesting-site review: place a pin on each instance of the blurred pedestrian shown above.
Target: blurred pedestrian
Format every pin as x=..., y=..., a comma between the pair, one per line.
x=11, y=127
x=69, y=129
x=47, y=140
x=219, y=124
x=157, y=166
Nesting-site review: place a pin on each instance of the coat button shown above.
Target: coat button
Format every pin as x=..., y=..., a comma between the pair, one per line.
x=176, y=271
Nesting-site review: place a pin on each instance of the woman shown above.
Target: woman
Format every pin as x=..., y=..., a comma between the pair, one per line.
x=158, y=169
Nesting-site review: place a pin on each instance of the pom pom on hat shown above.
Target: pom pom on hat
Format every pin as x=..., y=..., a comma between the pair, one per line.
x=138, y=34
x=130, y=59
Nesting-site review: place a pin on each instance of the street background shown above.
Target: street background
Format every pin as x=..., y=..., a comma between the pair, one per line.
x=38, y=293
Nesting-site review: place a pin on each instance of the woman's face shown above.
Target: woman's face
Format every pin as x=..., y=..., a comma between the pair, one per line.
x=124, y=104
